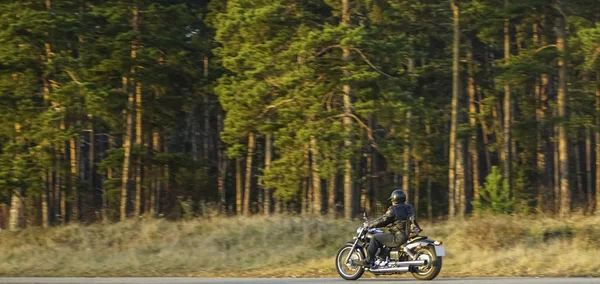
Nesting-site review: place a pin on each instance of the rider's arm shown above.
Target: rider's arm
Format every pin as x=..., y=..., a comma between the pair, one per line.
x=382, y=221
x=413, y=217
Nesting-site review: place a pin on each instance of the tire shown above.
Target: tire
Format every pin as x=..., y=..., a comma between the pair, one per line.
x=341, y=267
x=430, y=271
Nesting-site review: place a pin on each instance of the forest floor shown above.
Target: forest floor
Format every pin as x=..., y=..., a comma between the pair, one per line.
x=294, y=247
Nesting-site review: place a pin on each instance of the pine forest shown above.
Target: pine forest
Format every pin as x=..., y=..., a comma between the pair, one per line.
x=120, y=109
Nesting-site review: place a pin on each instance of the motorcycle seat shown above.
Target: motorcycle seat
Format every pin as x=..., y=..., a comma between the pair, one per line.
x=417, y=238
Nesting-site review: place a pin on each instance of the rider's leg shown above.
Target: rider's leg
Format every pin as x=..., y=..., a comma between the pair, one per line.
x=378, y=241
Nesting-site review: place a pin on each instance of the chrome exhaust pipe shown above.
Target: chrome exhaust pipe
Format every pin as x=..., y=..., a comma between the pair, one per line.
x=408, y=263
x=398, y=266
x=390, y=270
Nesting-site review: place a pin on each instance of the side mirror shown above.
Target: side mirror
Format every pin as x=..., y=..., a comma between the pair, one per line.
x=365, y=216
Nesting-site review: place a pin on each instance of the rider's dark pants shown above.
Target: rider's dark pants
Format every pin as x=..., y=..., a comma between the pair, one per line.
x=379, y=240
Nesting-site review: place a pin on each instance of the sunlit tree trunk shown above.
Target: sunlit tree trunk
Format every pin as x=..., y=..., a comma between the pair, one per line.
x=206, y=136
x=506, y=139
x=597, y=141
x=348, y=185
x=238, y=186
x=268, y=158
x=406, y=158
x=331, y=195
x=44, y=196
x=248, y=180
x=16, y=202
x=541, y=96
x=61, y=181
x=417, y=185
x=578, y=173
x=565, y=194
x=73, y=146
x=127, y=148
x=138, y=143
x=588, y=169
x=316, y=177
x=428, y=173
x=455, y=101
x=472, y=150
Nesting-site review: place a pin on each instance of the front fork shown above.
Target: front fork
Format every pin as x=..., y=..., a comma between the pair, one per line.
x=353, y=248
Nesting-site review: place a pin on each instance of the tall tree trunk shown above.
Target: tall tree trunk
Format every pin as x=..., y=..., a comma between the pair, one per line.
x=127, y=147
x=74, y=179
x=331, y=195
x=15, y=221
x=541, y=96
x=588, y=169
x=348, y=185
x=556, y=168
x=455, y=106
x=61, y=183
x=109, y=176
x=248, y=180
x=565, y=194
x=428, y=173
x=221, y=166
x=268, y=158
x=316, y=177
x=506, y=145
x=238, y=186
x=138, y=144
x=597, y=141
x=417, y=186
x=45, y=191
x=406, y=158
x=92, y=156
x=307, y=205
x=130, y=110
x=460, y=178
x=16, y=211
x=157, y=175
x=484, y=133
x=207, y=131
x=473, y=122
x=578, y=174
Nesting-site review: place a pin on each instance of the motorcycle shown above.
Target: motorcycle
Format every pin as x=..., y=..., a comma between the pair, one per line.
x=420, y=256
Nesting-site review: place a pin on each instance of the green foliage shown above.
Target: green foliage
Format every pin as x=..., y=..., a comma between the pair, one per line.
x=495, y=194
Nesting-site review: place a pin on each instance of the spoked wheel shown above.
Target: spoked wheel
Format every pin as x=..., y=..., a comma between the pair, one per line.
x=349, y=271
x=433, y=266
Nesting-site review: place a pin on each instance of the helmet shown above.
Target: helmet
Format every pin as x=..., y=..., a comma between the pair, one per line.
x=398, y=196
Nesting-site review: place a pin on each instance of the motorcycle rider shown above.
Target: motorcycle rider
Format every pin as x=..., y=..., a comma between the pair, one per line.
x=398, y=216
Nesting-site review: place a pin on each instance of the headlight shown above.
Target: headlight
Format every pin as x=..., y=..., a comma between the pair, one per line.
x=358, y=230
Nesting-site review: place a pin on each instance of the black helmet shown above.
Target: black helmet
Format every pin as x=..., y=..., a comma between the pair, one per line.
x=398, y=196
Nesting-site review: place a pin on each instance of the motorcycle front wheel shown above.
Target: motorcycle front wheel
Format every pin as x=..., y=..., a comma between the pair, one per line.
x=349, y=271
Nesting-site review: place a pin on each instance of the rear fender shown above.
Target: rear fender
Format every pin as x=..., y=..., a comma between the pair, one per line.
x=439, y=250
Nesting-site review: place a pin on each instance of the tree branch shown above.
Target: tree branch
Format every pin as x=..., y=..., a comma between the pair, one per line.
x=267, y=108
x=369, y=62
x=364, y=126
x=544, y=47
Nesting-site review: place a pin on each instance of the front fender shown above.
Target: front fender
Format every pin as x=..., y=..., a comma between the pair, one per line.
x=358, y=246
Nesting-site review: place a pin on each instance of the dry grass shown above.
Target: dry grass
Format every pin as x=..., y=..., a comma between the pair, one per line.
x=293, y=247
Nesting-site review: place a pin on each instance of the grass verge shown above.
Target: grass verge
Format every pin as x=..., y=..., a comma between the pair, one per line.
x=294, y=247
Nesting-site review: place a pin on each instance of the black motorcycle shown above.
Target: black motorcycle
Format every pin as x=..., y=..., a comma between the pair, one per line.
x=419, y=255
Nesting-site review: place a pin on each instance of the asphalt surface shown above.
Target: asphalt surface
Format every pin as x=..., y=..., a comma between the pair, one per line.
x=294, y=280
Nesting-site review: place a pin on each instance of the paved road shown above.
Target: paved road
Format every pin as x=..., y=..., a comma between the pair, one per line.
x=294, y=281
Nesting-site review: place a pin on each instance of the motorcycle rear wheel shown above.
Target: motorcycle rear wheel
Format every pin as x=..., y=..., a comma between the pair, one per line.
x=433, y=267
x=349, y=272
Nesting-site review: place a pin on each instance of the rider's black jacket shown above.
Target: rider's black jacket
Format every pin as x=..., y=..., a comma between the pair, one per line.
x=398, y=217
